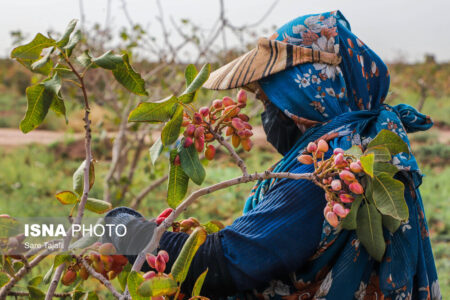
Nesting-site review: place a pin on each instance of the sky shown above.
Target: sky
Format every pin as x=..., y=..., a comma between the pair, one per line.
x=395, y=29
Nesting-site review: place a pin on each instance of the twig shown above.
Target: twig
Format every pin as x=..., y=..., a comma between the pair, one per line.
x=26, y=294
x=239, y=162
x=137, y=201
x=101, y=278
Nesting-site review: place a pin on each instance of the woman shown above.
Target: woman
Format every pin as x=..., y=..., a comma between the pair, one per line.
x=282, y=247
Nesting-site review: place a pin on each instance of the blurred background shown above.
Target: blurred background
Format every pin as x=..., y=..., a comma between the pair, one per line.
x=162, y=37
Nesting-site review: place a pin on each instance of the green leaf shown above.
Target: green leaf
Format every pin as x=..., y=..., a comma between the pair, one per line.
x=4, y=279
x=367, y=161
x=390, y=223
x=370, y=231
x=155, y=150
x=199, y=80
x=157, y=112
x=190, y=73
x=355, y=150
x=74, y=40
x=199, y=284
x=63, y=70
x=213, y=226
x=381, y=153
x=63, y=257
x=134, y=281
x=59, y=107
x=44, y=70
x=158, y=286
x=35, y=293
x=35, y=280
x=191, y=164
x=181, y=265
x=40, y=63
x=122, y=277
x=390, y=140
x=78, y=177
x=190, y=93
x=388, y=196
x=66, y=35
x=90, y=296
x=39, y=100
x=98, y=206
x=67, y=197
x=171, y=131
x=349, y=222
x=33, y=49
x=128, y=78
x=178, y=182
x=48, y=275
x=384, y=167
x=85, y=59
x=108, y=60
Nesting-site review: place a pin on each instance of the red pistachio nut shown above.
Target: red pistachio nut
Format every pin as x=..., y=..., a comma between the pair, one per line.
x=176, y=160
x=235, y=140
x=356, y=167
x=84, y=274
x=336, y=185
x=190, y=129
x=339, y=210
x=244, y=117
x=326, y=209
x=339, y=159
x=338, y=150
x=242, y=97
x=227, y=101
x=246, y=144
x=232, y=111
x=199, y=132
x=204, y=111
x=107, y=249
x=149, y=275
x=69, y=277
x=217, y=104
x=238, y=124
x=347, y=175
x=305, y=159
x=164, y=254
x=151, y=260
x=346, y=198
x=356, y=188
x=160, y=263
x=322, y=146
x=312, y=147
x=197, y=118
x=210, y=152
x=229, y=131
x=166, y=212
x=332, y=218
x=199, y=144
x=188, y=142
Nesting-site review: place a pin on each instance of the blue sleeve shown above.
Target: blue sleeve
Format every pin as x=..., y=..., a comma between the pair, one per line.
x=278, y=235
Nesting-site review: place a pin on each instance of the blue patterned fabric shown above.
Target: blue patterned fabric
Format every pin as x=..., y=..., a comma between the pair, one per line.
x=347, y=100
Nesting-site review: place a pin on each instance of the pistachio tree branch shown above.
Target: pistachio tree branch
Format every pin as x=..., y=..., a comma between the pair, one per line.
x=239, y=161
x=101, y=278
x=86, y=186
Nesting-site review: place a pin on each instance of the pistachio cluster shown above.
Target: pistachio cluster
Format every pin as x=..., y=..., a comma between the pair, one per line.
x=338, y=175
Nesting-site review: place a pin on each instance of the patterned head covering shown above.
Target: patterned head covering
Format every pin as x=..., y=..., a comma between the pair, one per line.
x=342, y=103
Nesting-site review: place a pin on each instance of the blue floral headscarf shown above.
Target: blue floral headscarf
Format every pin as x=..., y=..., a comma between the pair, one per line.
x=345, y=104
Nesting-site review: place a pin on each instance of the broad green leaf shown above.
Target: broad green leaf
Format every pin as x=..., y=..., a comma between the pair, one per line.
x=190, y=73
x=98, y=206
x=40, y=63
x=199, y=284
x=85, y=59
x=181, y=266
x=355, y=150
x=33, y=49
x=90, y=296
x=199, y=80
x=155, y=150
x=78, y=177
x=384, y=167
x=158, y=286
x=128, y=78
x=154, y=111
x=213, y=226
x=35, y=281
x=66, y=35
x=122, y=277
x=67, y=197
x=59, y=107
x=108, y=60
x=64, y=257
x=74, y=40
x=171, y=131
x=4, y=279
x=35, y=293
x=134, y=281
x=44, y=70
x=390, y=223
x=63, y=70
x=190, y=93
x=178, y=182
x=367, y=161
x=370, y=231
x=381, y=153
x=349, y=222
x=191, y=164
x=388, y=196
x=39, y=100
x=17, y=265
x=390, y=140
